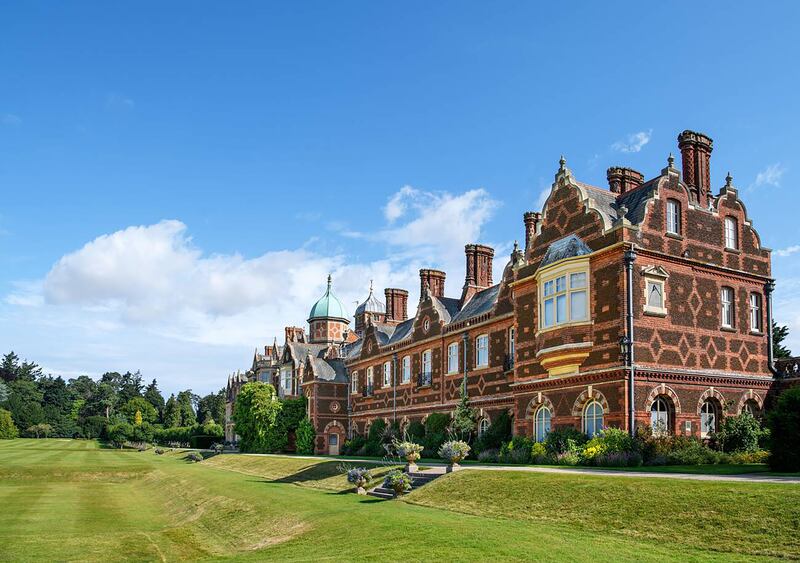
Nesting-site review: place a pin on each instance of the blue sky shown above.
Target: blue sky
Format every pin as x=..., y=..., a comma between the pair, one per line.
x=178, y=179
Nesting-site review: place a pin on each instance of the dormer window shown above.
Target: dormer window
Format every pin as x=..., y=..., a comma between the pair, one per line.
x=731, y=233
x=673, y=217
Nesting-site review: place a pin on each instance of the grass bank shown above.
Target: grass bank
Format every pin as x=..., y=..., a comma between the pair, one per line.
x=70, y=500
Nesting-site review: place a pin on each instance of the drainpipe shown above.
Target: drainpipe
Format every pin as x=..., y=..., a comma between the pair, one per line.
x=768, y=289
x=394, y=387
x=464, y=345
x=630, y=258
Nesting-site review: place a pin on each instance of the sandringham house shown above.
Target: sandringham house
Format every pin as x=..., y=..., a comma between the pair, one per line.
x=643, y=302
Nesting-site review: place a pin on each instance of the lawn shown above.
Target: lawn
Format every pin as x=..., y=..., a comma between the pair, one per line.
x=71, y=500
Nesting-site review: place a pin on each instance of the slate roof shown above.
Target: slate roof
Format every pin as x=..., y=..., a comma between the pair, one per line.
x=567, y=247
x=402, y=331
x=371, y=305
x=636, y=200
x=299, y=351
x=481, y=303
x=329, y=370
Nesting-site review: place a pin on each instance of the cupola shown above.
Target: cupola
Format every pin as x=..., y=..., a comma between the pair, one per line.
x=328, y=319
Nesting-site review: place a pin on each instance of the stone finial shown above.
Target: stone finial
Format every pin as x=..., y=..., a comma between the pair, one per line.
x=729, y=181
x=670, y=161
x=516, y=248
x=562, y=163
x=622, y=211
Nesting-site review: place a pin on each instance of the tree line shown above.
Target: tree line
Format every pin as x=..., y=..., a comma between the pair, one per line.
x=41, y=405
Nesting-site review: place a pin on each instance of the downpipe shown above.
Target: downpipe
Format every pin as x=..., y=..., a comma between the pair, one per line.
x=769, y=287
x=630, y=258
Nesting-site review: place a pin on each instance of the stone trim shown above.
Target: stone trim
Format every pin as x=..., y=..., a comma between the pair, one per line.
x=587, y=395
x=664, y=390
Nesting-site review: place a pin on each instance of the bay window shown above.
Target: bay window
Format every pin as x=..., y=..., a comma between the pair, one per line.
x=565, y=299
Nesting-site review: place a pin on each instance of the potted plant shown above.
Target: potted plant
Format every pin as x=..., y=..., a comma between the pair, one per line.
x=360, y=477
x=398, y=481
x=454, y=452
x=411, y=452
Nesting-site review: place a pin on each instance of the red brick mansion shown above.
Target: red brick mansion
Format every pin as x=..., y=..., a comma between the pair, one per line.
x=643, y=302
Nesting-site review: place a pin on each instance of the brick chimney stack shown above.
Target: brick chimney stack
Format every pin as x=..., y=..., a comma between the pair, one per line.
x=396, y=304
x=696, y=162
x=479, y=270
x=532, y=220
x=434, y=280
x=622, y=180
x=295, y=334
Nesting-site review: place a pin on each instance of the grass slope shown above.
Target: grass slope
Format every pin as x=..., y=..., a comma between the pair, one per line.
x=69, y=500
x=743, y=518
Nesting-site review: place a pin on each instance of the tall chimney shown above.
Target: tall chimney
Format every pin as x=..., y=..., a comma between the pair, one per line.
x=434, y=280
x=696, y=162
x=479, y=270
x=396, y=304
x=295, y=334
x=532, y=220
x=622, y=180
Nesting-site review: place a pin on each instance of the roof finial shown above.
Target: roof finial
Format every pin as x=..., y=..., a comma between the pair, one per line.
x=329, y=282
x=729, y=181
x=370, y=287
x=516, y=247
x=562, y=163
x=670, y=161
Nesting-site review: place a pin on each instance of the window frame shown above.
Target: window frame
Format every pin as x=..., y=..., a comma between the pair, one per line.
x=450, y=347
x=755, y=307
x=406, y=363
x=478, y=349
x=727, y=308
x=354, y=382
x=648, y=307
x=711, y=406
x=549, y=292
x=512, y=343
x=429, y=362
x=481, y=429
x=593, y=404
x=370, y=377
x=387, y=374
x=675, y=218
x=539, y=421
x=664, y=414
x=730, y=230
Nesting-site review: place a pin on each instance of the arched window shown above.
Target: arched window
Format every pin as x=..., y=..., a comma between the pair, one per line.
x=483, y=426
x=592, y=418
x=661, y=416
x=751, y=407
x=541, y=423
x=709, y=418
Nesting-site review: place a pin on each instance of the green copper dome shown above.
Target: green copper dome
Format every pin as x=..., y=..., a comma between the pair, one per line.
x=328, y=307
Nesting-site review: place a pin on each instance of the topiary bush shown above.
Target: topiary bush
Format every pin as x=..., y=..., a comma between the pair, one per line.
x=784, y=426
x=415, y=432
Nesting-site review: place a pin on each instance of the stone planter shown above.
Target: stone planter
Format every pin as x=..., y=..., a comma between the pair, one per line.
x=361, y=490
x=411, y=465
x=452, y=467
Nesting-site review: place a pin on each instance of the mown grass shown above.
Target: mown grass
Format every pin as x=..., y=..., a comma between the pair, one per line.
x=727, y=517
x=65, y=500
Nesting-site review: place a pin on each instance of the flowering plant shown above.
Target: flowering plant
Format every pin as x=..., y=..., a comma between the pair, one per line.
x=398, y=481
x=409, y=450
x=358, y=476
x=454, y=451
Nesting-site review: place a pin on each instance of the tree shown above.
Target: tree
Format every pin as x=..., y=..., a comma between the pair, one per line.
x=118, y=434
x=137, y=418
x=57, y=406
x=147, y=413
x=256, y=409
x=41, y=429
x=465, y=419
x=102, y=401
x=779, y=334
x=9, y=367
x=130, y=386
x=305, y=437
x=4, y=392
x=155, y=398
x=25, y=403
x=8, y=430
x=172, y=413
x=185, y=401
x=784, y=426
x=83, y=387
x=212, y=406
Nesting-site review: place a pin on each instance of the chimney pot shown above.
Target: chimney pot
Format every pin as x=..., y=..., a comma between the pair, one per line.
x=622, y=180
x=396, y=304
x=434, y=280
x=696, y=163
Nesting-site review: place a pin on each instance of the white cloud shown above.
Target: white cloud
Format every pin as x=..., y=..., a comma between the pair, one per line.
x=788, y=251
x=396, y=206
x=10, y=119
x=770, y=176
x=634, y=142
x=146, y=297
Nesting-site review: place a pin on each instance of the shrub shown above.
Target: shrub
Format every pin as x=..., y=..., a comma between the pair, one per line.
x=415, y=432
x=694, y=452
x=759, y=456
x=217, y=448
x=605, y=443
x=567, y=458
x=160, y=451
x=194, y=457
x=120, y=433
x=740, y=433
x=454, y=451
x=374, y=446
x=353, y=446
x=784, y=426
x=496, y=435
x=8, y=430
x=619, y=459
x=398, y=481
x=565, y=439
x=539, y=454
x=435, y=433
x=518, y=450
x=490, y=455
x=304, y=437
